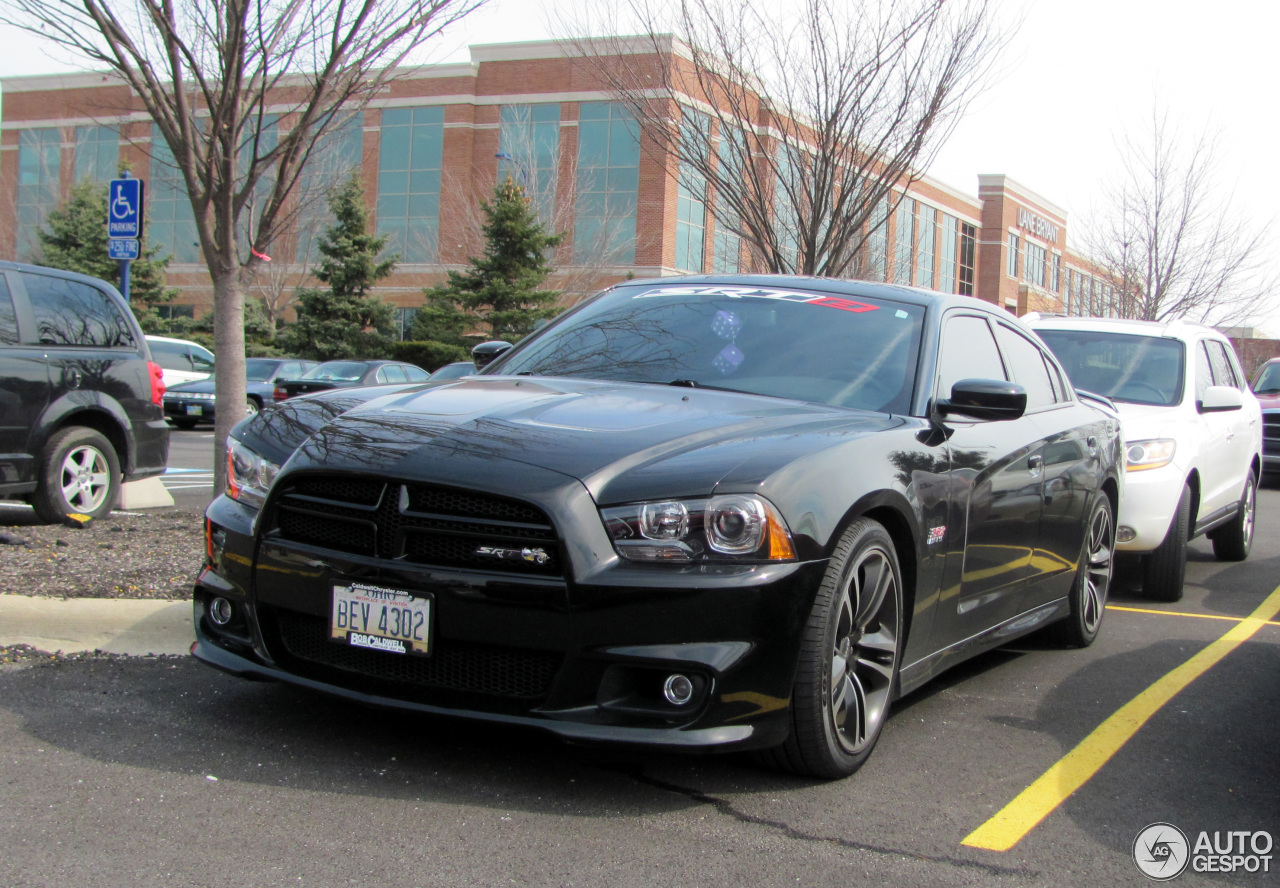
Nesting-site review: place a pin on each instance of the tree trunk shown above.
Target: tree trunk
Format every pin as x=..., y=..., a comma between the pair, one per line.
x=229, y=384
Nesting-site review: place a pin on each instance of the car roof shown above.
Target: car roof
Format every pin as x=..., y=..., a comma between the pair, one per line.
x=1175, y=329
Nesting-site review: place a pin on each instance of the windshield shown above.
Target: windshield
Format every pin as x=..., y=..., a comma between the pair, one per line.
x=1268, y=382
x=1121, y=366
x=844, y=351
x=260, y=369
x=347, y=371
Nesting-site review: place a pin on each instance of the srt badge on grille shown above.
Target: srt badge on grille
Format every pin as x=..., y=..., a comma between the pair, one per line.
x=533, y=556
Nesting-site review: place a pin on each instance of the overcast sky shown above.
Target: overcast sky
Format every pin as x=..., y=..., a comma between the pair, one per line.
x=1076, y=76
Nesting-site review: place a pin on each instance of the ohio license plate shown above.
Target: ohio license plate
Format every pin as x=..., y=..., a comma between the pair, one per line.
x=381, y=619
x=195, y=410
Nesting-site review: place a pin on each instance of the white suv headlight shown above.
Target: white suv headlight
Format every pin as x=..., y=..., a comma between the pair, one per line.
x=735, y=527
x=1150, y=454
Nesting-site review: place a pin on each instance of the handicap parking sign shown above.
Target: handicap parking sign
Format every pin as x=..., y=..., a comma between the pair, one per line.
x=124, y=208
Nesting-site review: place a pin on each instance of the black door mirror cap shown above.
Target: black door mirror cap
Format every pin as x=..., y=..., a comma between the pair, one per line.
x=991, y=399
x=485, y=353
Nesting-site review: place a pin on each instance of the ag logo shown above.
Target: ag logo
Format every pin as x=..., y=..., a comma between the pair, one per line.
x=1161, y=851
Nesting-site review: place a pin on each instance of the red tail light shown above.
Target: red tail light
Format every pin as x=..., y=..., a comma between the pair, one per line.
x=157, y=383
x=279, y=394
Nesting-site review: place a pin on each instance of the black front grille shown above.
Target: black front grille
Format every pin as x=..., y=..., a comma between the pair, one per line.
x=452, y=665
x=1271, y=433
x=418, y=523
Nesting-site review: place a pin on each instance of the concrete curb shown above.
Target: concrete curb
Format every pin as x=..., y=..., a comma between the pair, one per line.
x=114, y=625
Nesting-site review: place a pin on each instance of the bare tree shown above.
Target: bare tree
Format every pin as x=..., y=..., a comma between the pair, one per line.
x=1171, y=237
x=808, y=122
x=215, y=75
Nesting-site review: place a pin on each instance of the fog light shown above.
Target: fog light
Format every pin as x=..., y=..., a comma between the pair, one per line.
x=1125, y=534
x=220, y=611
x=678, y=689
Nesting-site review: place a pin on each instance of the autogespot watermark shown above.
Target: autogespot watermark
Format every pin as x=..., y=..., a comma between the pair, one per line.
x=1163, y=852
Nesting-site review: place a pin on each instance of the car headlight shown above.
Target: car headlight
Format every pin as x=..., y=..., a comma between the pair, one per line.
x=249, y=476
x=734, y=527
x=1153, y=454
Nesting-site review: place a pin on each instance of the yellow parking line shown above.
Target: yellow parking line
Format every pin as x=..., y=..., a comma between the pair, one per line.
x=1144, y=610
x=1073, y=770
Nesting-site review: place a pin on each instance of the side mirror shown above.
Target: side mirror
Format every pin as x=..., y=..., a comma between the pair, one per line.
x=1218, y=398
x=993, y=399
x=484, y=354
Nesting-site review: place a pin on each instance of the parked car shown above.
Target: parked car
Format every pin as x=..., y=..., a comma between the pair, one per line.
x=456, y=370
x=183, y=361
x=193, y=402
x=706, y=512
x=345, y=374
x=80, y=398
x=1266, y=388
x=1266, y=384
x=1193, y=434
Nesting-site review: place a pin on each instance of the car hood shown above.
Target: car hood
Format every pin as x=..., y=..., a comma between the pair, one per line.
x=623, y=441
x=1268, y=400
x=1141, y=421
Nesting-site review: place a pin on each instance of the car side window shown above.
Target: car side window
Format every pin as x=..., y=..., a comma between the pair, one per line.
x=968, y=352
x=416, y=374
x=1223, y=372
x=1029, y=370
x=72, y=313
x=201, y=359
x=170, y=355
x=391, y=373
x=1204, y=371
x=8, y=317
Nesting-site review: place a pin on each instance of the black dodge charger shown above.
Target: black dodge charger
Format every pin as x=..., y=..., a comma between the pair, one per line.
x=713, y=512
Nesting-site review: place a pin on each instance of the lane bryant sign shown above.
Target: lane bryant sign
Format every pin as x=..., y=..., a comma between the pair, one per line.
x=1037, y=225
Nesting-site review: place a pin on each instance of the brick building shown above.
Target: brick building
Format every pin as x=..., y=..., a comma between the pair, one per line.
x=442, y=135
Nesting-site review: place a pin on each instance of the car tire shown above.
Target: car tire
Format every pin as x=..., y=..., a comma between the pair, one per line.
x=1088, y=597
x=1165, y=569
x=80, y=475
x=1233, y=540
x=847, y=673
x=252, y=406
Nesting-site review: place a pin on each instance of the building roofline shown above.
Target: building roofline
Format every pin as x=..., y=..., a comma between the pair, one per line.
x=1001, y=182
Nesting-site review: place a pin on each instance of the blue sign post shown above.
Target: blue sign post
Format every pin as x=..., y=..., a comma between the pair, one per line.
x=124, y=224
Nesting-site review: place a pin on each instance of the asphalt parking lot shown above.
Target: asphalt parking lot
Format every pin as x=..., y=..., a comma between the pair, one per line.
x=158, y=771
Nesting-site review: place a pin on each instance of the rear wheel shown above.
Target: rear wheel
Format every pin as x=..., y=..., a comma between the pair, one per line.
x=1232, y=541
x=1165, y=569
x=251, y=406
x=848, y=667
x=1088, y=597
x=80, y=476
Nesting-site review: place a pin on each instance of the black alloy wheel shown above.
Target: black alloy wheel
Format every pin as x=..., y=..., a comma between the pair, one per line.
x=849, y=657
x=1088, y=597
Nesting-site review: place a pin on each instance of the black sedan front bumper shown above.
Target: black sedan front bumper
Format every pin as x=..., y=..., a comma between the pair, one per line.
x=585, y=661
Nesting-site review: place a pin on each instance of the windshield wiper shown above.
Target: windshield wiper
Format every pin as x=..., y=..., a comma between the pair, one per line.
x=687, y=383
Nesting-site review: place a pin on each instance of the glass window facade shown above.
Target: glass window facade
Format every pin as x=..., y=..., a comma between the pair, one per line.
x=947, y=259
x=171, y=222
x=410, y=157
x=691, y=201
x=968, y=249
x=926, y=226
x=727, y=250
x=39, y=180
x=1034, y=270
x=1055, y=274
x=529, y=136
x=337, y=155
x=1011, y=258
x=878, y=242
x=97, y=153
x=608, y=185
x=903, y=237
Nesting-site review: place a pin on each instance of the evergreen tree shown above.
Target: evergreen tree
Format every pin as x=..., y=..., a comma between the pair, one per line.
x=76, y=240
x=345, y=319
x=498, y=296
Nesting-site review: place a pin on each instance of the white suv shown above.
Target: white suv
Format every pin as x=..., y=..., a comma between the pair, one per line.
x=1193, y=434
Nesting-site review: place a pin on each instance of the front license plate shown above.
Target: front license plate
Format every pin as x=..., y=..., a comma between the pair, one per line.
x=195, y=410
x=381, y=619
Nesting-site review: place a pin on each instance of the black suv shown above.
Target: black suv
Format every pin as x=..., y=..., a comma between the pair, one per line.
x=80, y=399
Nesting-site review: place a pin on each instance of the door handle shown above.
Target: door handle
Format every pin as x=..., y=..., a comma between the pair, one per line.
x=1035, y=464
x=1091, y=442
x=71, y=378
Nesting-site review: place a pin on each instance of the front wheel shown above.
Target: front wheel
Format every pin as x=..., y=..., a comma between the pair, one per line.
x=1165, y=569
x=80, y=476
x=1233, y=540
x=847, y=672
x=1088, y=598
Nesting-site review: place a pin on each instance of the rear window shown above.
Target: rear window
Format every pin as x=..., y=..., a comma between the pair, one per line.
x=346, y=371
x=170, y=355
x=1122, y=366
x=8, y=319
x=72, y=313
